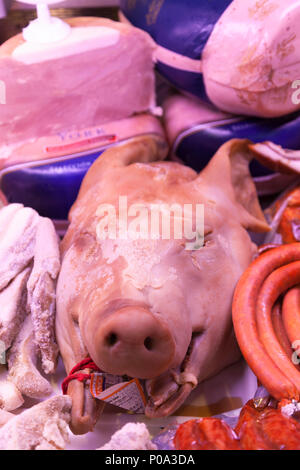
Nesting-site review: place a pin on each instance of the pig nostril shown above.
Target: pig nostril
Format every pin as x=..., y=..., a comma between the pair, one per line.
x=148, y=343
x=111, y=339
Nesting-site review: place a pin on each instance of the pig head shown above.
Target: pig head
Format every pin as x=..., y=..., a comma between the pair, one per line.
x=149, y=307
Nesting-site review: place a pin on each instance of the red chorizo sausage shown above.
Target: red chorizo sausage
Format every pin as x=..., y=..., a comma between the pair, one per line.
x=276, y=284
x=205, y=434
x=279, y=329
x=244, y=319
x=291, y=314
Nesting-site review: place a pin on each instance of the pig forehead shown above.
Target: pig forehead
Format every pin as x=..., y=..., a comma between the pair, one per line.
x=155, y=262
x=168, y=171
x=137, y=268
x=150, y=181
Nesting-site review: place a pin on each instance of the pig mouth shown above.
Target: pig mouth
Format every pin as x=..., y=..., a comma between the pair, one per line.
x=169, y=391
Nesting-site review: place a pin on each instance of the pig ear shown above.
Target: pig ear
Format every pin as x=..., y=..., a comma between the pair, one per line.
x=143, y=149
x=228, y=171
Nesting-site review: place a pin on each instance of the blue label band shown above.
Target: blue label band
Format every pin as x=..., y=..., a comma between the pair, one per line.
x=182, y=26
x=50, y=189
x=210, y=136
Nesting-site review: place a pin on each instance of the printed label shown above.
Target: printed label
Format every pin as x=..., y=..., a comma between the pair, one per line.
x=128, y=395
x=81, y=144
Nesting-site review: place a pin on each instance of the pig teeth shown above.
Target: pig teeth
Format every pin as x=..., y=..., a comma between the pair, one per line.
x=13, y=308
x=22, y=359
x=41, y=293
x=16, y=242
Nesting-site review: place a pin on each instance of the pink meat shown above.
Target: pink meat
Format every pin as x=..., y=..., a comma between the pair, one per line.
x=78, y=91
x=252, y=58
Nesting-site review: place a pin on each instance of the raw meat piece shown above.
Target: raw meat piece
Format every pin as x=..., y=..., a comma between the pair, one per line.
x=102, y=72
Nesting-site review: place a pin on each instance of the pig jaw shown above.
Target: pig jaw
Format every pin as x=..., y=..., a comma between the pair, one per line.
x=129, y=341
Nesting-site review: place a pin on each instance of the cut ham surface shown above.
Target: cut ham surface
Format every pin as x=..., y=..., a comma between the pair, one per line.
x=51, y=88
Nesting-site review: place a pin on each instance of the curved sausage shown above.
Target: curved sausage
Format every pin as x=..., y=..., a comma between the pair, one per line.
x=279, y=329
x=276, y=284
x=244, y=319
x=291, y=314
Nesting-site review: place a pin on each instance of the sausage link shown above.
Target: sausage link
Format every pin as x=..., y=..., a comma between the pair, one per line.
x=244, y=319
x=276, y=284
x=279, y=329
x=291, y=314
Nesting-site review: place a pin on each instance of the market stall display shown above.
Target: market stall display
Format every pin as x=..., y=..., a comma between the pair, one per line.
x=149, y=290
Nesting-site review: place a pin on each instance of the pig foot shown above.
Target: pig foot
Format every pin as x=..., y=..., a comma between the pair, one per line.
x=171, y=405
x=86, y=410
x=169, y=391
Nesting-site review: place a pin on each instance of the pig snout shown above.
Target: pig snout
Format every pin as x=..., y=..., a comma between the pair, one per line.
x=134, y=342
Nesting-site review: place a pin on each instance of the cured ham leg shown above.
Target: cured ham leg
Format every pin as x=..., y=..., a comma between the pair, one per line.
x=104, y=61
x=41, y=292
